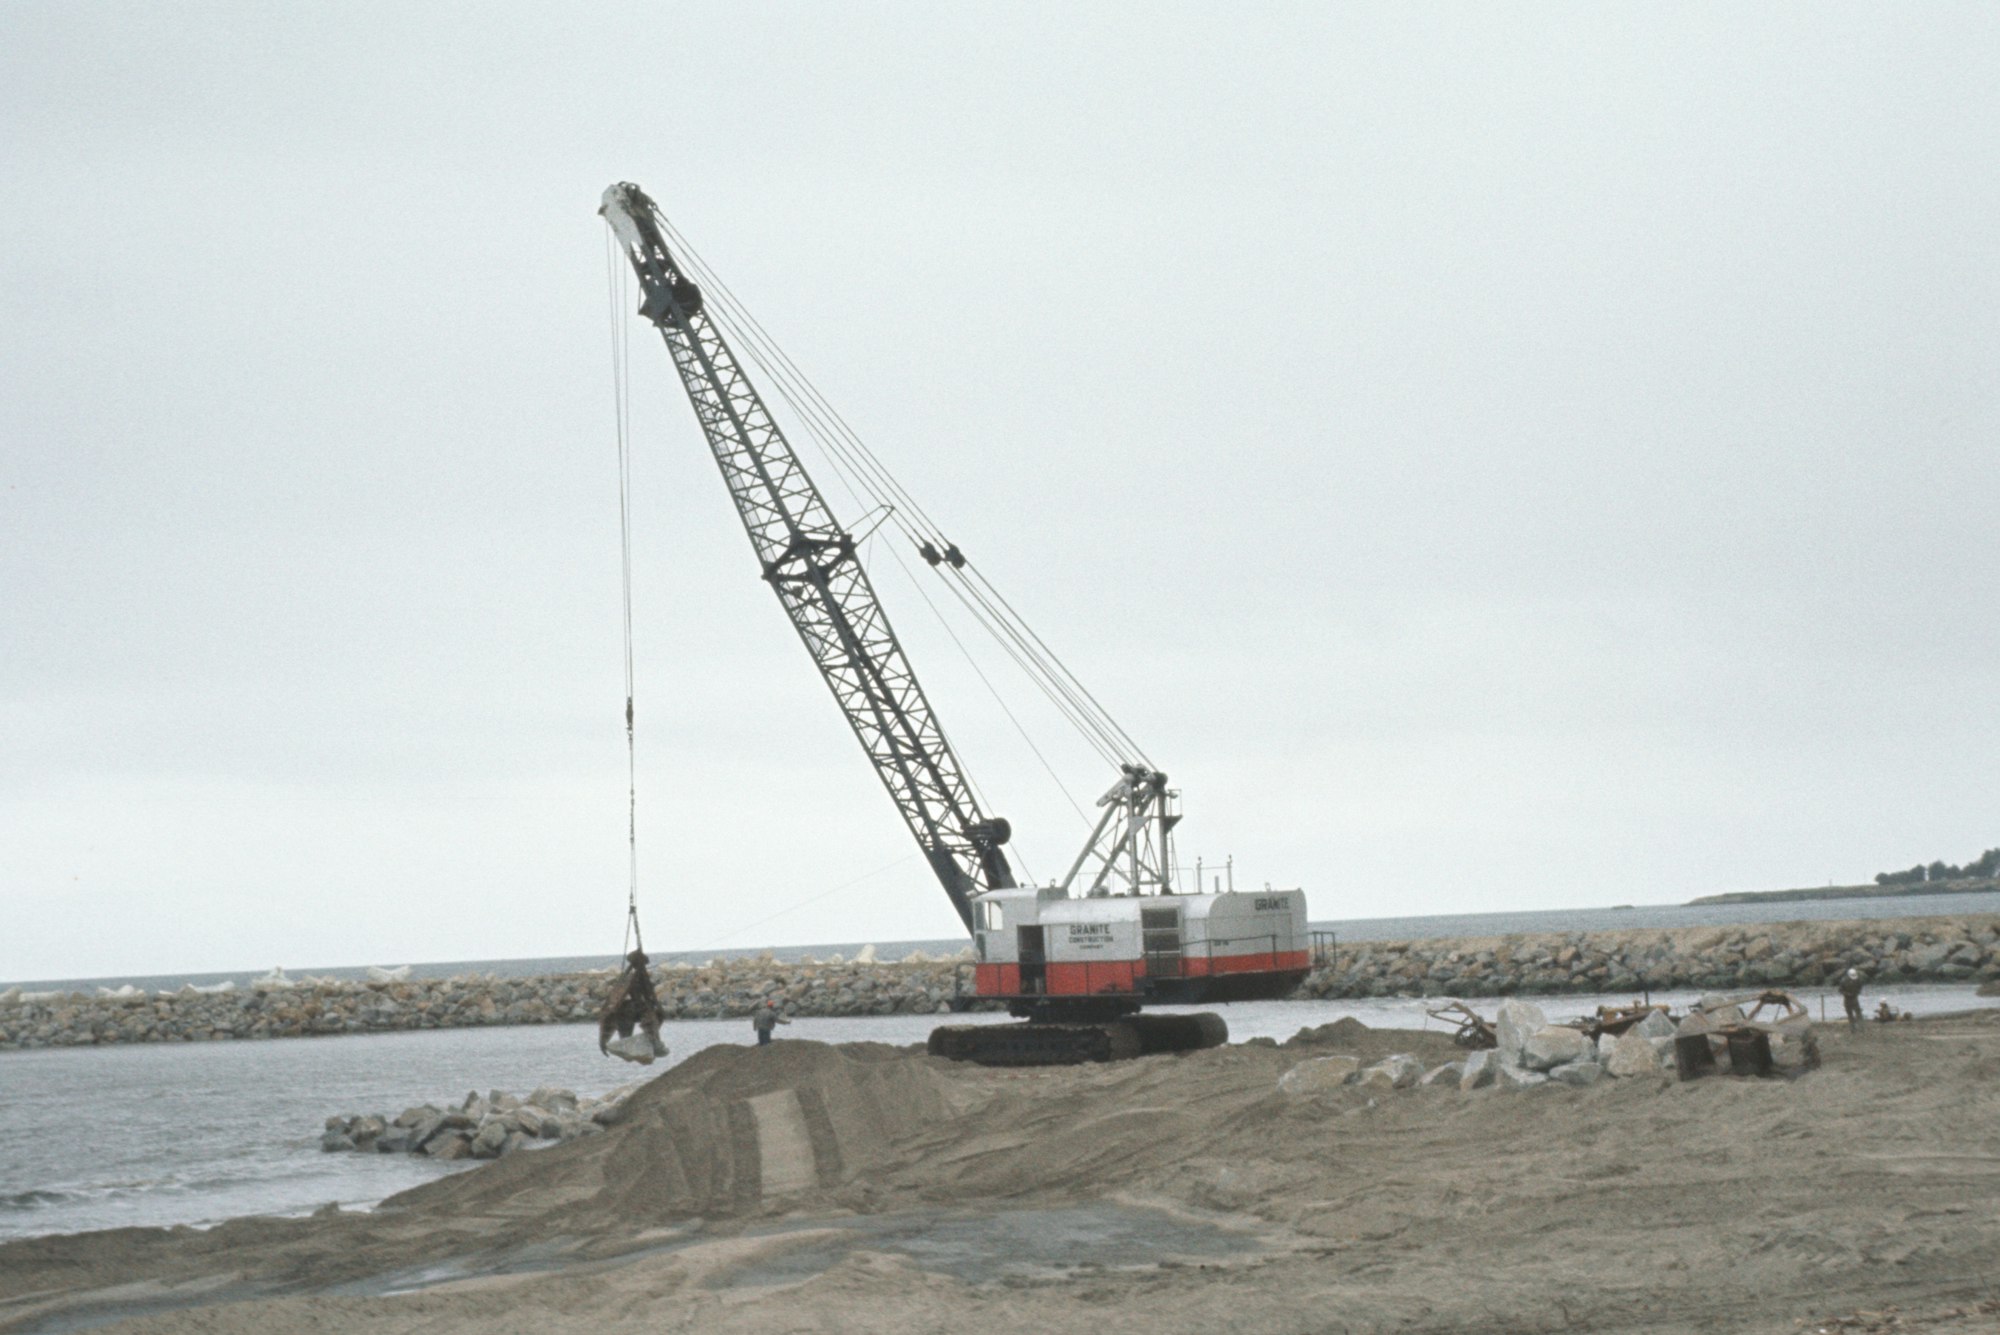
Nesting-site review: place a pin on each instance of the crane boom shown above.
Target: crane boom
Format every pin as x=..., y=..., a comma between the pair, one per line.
x=809, y=560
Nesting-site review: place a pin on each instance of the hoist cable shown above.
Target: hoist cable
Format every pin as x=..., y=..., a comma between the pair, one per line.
x=621, y=380
x=1018, y=619
x=991, y=689
x=1102, y=734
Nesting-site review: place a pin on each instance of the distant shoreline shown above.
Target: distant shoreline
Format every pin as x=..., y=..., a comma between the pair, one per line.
x=1964, y=887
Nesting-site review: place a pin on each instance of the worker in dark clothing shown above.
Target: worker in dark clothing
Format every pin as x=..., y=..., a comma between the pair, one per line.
x=1850, y=996
x=632, y=1004
x=766, y=1018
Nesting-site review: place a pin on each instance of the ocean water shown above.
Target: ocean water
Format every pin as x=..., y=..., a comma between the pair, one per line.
x=1625, y=918
x=158, y=1134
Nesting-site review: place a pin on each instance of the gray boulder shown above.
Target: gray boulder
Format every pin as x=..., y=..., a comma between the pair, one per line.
x=1514, y=1078
x=335, y=1140
x=1631, y=1054
x=1655, y=1025
x=448, y=1145
x=490, y=1139
x=1578, y=1073
x=1319, y=1074
x=551, y=1099
x=1448, y=1074
x=1552, y=1046
x=1399, y=1071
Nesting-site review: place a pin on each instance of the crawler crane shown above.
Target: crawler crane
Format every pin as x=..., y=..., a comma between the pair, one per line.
x=1076, y=958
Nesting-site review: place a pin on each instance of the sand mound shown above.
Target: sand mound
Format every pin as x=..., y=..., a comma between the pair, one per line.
x=730, y=1131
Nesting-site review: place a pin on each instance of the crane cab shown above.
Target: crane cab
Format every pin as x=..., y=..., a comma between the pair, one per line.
x=1037, y=946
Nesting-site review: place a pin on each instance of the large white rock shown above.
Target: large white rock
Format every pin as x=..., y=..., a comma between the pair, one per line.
x=637, y=1048
x=1515, y=1022
x=1319, y=1074
x=1448, y=1074
x=1513, y=1077
x=378, y=974
x=1632, y=1054
x=1399, y=1071
x=1655, y=1025
x=1481, y=1069
x=1792, y=1046
x=1552, y=1046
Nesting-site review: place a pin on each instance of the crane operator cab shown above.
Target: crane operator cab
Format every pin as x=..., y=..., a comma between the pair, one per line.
x=1036, y=946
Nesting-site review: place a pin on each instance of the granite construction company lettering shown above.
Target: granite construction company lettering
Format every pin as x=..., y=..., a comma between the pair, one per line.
x=1089, y=934
x=1272, y=905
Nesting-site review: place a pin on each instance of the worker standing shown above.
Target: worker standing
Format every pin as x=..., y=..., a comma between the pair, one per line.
x=766, y=1018
x=1850, y=996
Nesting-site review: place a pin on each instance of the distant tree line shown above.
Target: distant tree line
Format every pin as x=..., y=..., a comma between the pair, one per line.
x=1986, y=865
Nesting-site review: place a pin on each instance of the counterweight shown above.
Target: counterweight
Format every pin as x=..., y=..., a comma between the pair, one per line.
x=810, y=562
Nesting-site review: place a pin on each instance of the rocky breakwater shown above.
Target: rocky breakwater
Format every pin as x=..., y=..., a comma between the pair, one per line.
x=1716, y=959
x=280, y=1007
x=488, y=1127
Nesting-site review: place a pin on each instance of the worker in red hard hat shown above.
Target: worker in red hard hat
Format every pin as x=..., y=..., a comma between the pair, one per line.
x=766, y=1018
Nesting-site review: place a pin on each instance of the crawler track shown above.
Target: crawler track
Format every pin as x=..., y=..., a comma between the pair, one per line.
x=1037, y=1044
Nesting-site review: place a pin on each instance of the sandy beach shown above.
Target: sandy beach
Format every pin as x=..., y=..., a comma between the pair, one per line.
x=807, y=1187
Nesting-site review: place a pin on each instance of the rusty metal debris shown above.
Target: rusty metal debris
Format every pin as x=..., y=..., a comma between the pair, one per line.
x=1611, y=1021
x=1474, y=1031
x=1722, y=1037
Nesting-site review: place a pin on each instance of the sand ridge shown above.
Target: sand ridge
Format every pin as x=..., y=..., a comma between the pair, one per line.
x=1634, y=1205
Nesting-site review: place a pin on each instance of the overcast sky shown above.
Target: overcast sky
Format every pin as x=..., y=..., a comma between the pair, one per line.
x=1492, y=457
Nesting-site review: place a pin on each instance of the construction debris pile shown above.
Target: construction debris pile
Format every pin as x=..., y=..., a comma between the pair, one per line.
x=1762, y=1035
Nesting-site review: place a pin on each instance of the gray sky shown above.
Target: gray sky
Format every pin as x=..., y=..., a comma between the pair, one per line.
x=1493, y=457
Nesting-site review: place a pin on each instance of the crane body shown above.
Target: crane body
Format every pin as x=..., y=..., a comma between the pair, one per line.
x=1077, y=957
